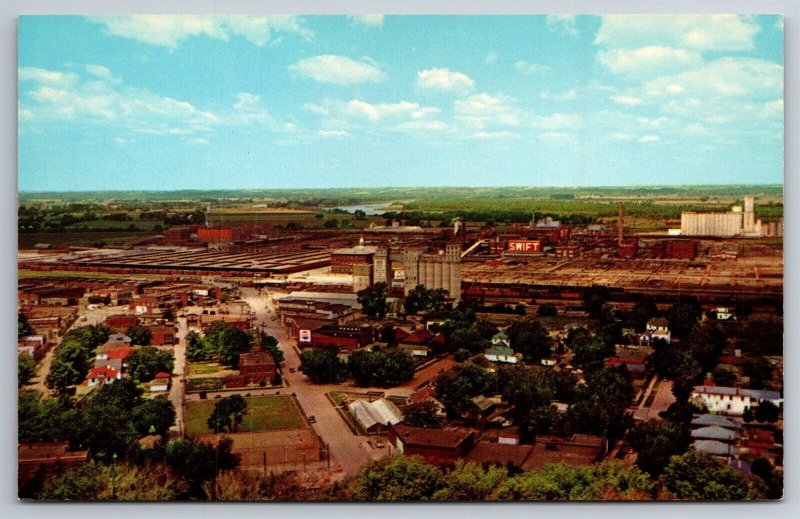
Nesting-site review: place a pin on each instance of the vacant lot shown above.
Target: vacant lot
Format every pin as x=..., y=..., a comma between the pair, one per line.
x=264, y=413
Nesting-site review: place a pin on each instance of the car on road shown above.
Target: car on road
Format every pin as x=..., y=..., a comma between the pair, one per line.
x=291, y=370
x=312, y=419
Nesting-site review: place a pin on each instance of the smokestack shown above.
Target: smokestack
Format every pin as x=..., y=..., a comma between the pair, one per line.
x=621, y=221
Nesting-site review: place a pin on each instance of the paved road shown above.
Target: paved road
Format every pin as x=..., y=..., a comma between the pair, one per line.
x=348, y=450
x=177, y=391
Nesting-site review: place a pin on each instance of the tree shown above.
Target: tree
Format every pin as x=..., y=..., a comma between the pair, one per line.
x=199, y=462
x=706, y=344
x=655, y=442
x=373, y=300
x=683, y=317
x=61, y=376
x=424, y=414
x=594, y=299
x=590, y=349
x=397, y=478
x=154, y=416
x=762, y=468
x=108, y=416
x=529, y=337
x=227, y=414
x=723, y=377
x=140, y=335
x=456, y=388
x=119, y=482
x=359, y=214
x=470, y=482
x=227, y=341
x=322, y=366
x=378, y=368
x=23, y=327
x=270, y=345
x=26, y=369
x=766, y=412
x=422, y=299
x=601, y=403
x=642, y=312
x=760, y=371
x=144, y=363
x=547, y=310
x=698, y=476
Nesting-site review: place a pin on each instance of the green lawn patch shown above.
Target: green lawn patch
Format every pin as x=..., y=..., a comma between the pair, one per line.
x=204, y=368
x=204, y=384
x=264, y=413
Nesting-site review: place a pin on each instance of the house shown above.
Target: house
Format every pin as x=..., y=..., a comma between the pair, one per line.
x=417, y=343
x=501, y=354
x=118, y=338
x=111, y=350
x=33, y=345
x=500, y=339
x=436, y=446
x=162, y=335
x=102, y=375
x=577, y=450
x=724, y=314
x=715, y=432
x=35, y=457
x=121, y=322
x=374, y=417
x=491, y=453
x=161, y=382
x=658, y=328
x=706, y=420
x=428, y=394
x=732, y=401
x=481, y=407
x=714, y=448
x=257, y=366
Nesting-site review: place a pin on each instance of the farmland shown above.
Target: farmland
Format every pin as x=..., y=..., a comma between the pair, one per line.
x=264, y=413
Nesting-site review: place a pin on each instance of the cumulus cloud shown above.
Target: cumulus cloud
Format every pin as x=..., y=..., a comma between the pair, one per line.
x=332, y=133
x=727, y=77
x=558, y=121
x=530, y=69
x=481, y=110
x=339, y=70
x=491, y=58
x=626, y=100
x=444, y=80
x=648, y=61
x=103, y=73
x=170, y=30
x=697, y=32
x=569, y=95
x=366, y=20
x=562, y=24
x=649, y=138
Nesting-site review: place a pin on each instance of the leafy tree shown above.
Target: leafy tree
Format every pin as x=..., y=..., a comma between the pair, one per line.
x=547, y=310
x=199, y=462
x=227, y=414
x=61, y=376
x=109, y=421
x=118, y=482
x=373, y=300
x=529, y=337
x=590, y=349
x=398, y=478
x=642, y=312
x=655, y=442
x=424, y=414
x=154, y=416
x=47, y=419
x=270, y=345
x=74, y=356
x=766, y=412
x=26, y=369
x=683, y=317
x=760, y=371
x=706, y=343
x=698, y=476
x=237, y=485
x=322, y=366
x=601, y=403
x=422, y=299
x=762, y=338
x=608, y=480
x=471, y=482
x=379, y=368
x=359, y=214
x=468, y=336
x=227, y=341
x=762, y=468
x=144, y=363
x=23, y=327
x=594, y=299
x=456, y=388
x=196, y=347
x=140, y=335
x=723, y=377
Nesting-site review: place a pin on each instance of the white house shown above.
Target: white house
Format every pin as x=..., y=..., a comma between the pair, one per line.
x=501, y=339
x=724, y=314
x=733, y=401
x=501, y=354
x=658, y=328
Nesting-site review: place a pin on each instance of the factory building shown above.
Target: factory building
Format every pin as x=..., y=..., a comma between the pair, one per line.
x=343, y=260
x=724, y=225
x=434, y=271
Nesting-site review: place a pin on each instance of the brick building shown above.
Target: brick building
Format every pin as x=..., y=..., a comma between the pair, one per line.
x=436, y=446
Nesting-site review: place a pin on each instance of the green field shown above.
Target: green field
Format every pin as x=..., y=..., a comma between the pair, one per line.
x=27, y=240
x=264, y=413
x=204, y=368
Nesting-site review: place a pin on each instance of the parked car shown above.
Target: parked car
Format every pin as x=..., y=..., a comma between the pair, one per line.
x=312, y=419
x=291, y=370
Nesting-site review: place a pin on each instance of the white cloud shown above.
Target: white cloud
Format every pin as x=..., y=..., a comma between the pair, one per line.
x=249, y=107
x=169, y=30
x=726, y=77
x=315, y=109
x=558, y=121
x=332, y=133
x=556, y=138
x=626, y=100
x=502, y=135
x=378, y=111
x=198, y=140
x=428, y=125
x=530, y=69
x=620, y=136
x=698, y=32
x=648, y=61
x=649, y=138
x=569, y=95
x=562, y=23
x=103, y=73
x=367, y=20
x=480, y=110
x=48, y=77
x=339, y=70
x=491, y=58
x=444, y=80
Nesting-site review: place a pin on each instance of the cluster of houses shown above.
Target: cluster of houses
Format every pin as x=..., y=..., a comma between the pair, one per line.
x=110, y=365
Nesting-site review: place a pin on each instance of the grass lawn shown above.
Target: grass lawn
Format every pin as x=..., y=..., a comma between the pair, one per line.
x=204, y=384
x=264, y=413
x=204, y=368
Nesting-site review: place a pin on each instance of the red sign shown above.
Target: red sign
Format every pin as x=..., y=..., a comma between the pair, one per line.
x=525, y=246
x=305, y=336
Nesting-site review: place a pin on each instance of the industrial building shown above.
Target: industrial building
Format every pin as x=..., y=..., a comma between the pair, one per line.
x=724, y=225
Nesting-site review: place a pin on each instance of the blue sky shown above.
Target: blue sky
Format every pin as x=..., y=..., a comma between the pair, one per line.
x=177, y=102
